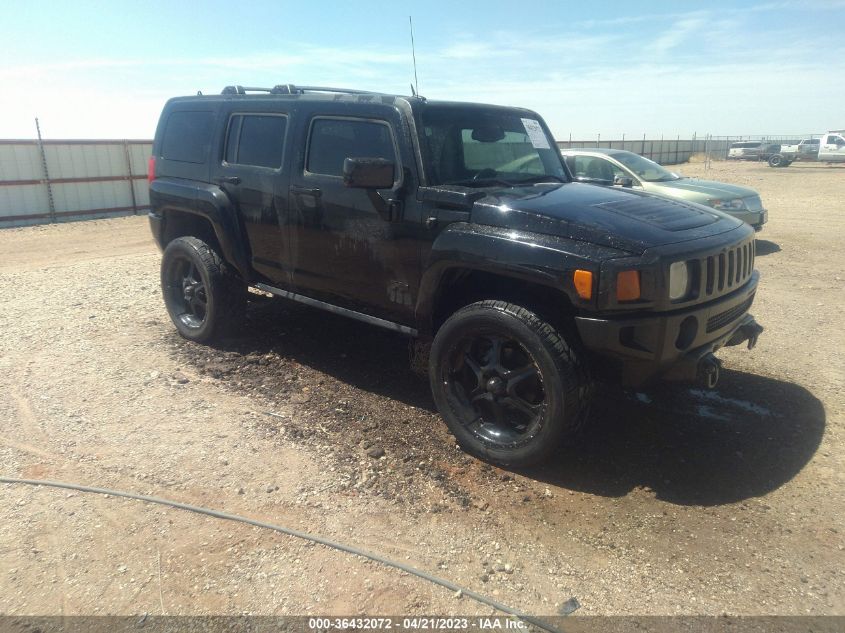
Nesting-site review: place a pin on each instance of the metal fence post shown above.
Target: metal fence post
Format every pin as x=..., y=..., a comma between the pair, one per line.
x=46, y=173
x=130, y=179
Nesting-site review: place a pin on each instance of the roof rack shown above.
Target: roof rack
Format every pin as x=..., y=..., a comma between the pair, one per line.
x=290, y=89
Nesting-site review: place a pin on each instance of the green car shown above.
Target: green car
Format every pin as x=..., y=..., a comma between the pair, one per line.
x=616, y=167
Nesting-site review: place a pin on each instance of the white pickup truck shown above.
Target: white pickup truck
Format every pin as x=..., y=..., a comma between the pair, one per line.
x=831, y=149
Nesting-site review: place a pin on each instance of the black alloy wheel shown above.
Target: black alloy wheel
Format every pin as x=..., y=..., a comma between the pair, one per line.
x=187, y=292
x=508, y=384
x=203, y=297
x=499, y=386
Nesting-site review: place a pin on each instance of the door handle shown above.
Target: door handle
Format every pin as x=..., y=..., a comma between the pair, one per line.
x=229, y=180
x=306, y=191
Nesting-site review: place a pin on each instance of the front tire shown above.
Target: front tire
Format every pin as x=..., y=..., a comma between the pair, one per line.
x=510, y=387
x=203, y=298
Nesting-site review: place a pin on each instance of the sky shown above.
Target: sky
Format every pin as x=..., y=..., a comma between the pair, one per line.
x=104, y=69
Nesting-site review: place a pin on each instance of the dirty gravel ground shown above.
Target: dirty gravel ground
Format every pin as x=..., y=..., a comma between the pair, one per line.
x=676, y=501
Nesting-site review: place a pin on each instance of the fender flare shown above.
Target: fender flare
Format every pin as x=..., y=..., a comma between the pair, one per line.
x=538, y=259
x=209, y=202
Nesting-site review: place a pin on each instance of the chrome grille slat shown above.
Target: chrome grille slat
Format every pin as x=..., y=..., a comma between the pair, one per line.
x=711, y=275
x=731, y=269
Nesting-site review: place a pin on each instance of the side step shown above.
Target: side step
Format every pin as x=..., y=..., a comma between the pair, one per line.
x=328, y=307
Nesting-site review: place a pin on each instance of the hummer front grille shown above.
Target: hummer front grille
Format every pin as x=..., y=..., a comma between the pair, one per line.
x=721, y=273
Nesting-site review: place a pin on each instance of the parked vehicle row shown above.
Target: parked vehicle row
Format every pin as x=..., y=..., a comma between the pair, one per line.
x=830, y=148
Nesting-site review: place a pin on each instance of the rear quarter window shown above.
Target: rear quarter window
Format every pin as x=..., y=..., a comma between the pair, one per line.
x=187, y=136
x=256, y=140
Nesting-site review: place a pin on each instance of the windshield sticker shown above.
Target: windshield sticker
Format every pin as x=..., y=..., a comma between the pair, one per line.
x=535, y=134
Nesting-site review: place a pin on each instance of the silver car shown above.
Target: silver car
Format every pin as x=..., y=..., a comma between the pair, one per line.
x=618, y=168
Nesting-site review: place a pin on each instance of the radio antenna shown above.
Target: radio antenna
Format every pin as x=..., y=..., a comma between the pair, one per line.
x=416, y=87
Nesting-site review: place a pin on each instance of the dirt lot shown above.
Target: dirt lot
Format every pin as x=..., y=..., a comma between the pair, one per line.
x=676, y=501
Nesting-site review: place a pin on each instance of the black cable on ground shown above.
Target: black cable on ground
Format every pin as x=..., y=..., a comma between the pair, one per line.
x=291, y=532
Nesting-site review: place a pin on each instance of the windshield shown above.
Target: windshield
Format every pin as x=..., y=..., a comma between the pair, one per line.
x=477, y=146
x=644, y=168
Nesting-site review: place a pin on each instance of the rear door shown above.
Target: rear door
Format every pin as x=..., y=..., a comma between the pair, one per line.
x=252, y=173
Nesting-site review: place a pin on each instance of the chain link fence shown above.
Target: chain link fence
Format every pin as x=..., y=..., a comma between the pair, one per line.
x=672, y=151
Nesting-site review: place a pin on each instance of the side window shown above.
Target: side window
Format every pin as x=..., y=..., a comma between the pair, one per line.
x=595, y=168
x=256, y=140
x=600, y=169
x=579, y=170
x=187, y=136
x=334, y=140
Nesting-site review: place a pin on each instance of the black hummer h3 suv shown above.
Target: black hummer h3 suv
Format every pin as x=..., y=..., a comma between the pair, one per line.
x=455, y=223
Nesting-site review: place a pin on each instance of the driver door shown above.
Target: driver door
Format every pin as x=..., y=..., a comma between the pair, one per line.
x=348, y=249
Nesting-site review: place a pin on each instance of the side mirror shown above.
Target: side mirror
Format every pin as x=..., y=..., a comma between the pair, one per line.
x=368, y=173
x=623, y=181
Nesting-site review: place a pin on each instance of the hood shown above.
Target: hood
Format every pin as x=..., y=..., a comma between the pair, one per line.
x=707, y=188
x=627, y=220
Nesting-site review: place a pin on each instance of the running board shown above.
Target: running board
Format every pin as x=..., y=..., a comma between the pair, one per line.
x=328, y=307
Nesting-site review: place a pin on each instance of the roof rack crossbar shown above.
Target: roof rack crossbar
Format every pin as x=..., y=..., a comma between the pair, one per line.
x=290, y=89
x=300, y=89
x=242, y=90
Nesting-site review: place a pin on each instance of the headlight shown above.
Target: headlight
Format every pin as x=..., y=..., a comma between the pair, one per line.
x=679, y=280
x=727, y=205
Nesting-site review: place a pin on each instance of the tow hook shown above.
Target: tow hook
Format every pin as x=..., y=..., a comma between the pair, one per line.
x=754, y=330
x=709, y=368
x=749, y=332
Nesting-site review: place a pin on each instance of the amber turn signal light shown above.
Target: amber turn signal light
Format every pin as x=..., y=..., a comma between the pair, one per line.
x=583, y=280
x=628, y=285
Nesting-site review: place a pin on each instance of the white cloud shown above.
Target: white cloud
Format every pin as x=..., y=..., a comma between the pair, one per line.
x=676, y=34
x=585, y=81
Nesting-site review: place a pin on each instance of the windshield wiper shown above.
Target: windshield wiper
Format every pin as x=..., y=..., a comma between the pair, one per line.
x=540, y=178
x=481, y=182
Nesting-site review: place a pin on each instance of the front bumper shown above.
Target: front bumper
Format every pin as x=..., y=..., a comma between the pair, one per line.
x=671, y=344
x=755, y=218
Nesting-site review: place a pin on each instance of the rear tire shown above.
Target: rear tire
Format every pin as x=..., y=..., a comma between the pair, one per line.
x=510, y=387
x=777, y=160
x=204, y=299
